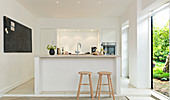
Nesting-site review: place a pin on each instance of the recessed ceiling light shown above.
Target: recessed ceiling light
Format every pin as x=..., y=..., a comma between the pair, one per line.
x=78, y=2
x=57, y=2
x=92, y=30
x=99, y=2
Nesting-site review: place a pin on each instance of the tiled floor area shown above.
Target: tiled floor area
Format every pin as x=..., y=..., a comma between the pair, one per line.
x=133, y=93
x=126, y=90
x=141, y=98
x=26, y=88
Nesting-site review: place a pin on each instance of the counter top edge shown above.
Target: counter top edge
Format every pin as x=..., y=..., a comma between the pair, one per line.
x=75, y=56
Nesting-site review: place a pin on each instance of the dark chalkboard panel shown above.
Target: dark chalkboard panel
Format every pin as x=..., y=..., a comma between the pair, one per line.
x=17, y=37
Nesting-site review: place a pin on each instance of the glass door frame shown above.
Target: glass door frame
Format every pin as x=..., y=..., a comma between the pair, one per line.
x=151, y=52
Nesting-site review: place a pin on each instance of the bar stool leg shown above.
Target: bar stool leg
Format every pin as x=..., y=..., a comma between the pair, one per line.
x=109, y=84
x=78, y=93
x=91, y=88
x=100, y=86
x=112, y=87
x=97, y=87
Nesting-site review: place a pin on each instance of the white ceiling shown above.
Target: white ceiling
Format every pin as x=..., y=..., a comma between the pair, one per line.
x=71, y=8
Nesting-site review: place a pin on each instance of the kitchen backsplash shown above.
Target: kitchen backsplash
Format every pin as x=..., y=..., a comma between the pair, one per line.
x=69, y=40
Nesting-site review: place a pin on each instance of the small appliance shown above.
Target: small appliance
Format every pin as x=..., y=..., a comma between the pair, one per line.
x=109, y=47
x=93, y=49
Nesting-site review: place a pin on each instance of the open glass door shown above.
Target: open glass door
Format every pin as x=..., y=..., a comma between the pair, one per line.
x=160, y=50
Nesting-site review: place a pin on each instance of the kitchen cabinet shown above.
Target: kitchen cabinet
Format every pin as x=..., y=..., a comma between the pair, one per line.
x=108, y=35
x=59, y=73
x=47, y=37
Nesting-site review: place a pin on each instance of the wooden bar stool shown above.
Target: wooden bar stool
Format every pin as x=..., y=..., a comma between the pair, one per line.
x=109, y=84
x=90, y=83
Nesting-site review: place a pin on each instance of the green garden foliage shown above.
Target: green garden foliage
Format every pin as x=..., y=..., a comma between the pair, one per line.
x=159, y=64
x=159, y=74
x=160, y=43
x=160, y=51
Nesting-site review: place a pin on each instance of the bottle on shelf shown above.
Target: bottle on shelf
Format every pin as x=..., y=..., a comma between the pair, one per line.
x=63, y=50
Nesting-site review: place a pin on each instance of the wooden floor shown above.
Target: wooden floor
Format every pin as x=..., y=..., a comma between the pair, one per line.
x=55, y=98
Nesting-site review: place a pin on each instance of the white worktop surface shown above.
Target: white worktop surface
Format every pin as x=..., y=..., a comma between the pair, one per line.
x=78, y=56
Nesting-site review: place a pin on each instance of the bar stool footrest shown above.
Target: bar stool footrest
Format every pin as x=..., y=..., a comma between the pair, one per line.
x=85, y=93
x=104, y=84
x=105, y=93
x=85, y=84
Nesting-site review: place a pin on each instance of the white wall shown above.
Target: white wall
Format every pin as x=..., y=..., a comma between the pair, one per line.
x=47, y=37
x=79, y=23
x=133, y=44
x=146, y=3
x=143, y=61
x=108, y=35
x=149, y=5
x=15, y=67
x=143, y=40
x=139, y=41
x=125, y=52
x=131, y=15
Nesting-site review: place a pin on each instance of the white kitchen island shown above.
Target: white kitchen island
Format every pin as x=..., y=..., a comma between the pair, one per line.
x=59, y=73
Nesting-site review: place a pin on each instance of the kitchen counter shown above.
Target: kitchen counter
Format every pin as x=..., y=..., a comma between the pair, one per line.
x=79, y=56
x=59, y=73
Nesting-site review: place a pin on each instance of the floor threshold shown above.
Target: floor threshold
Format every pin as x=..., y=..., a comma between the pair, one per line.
x=159, y=95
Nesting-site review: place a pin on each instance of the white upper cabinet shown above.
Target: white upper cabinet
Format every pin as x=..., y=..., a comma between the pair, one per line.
x=108, y=35
x=48, y=37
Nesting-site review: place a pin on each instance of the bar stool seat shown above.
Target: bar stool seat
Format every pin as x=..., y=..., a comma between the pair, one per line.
x=90, y=83
x=104, y=73
x=108, y=74
x=85, y=72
